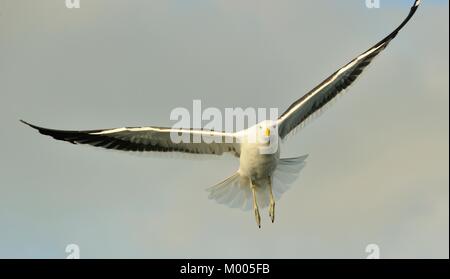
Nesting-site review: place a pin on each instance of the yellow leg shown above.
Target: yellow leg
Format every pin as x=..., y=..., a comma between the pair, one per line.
x=255, y=206
x=272, y=202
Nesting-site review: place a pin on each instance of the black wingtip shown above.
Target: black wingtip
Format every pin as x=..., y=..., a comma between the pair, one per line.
x=415, y=6
x=56, y=134
x=26, y=123
x=29, y=124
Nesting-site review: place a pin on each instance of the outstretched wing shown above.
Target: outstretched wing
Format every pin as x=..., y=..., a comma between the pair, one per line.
x=304, y=107
x=149, y=139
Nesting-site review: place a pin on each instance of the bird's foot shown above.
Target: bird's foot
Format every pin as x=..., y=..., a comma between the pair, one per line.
x=257, y=217
x=272, y=211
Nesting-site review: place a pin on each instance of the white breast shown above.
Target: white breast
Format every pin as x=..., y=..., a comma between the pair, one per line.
x=254, y=164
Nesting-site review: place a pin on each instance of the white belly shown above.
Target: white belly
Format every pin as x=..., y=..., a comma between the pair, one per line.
x=254, y=164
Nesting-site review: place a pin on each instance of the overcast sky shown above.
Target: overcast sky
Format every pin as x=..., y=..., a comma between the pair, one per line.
x=378, y=165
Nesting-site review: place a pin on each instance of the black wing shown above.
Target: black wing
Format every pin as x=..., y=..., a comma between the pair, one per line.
x=149, y=139
x=304, y=107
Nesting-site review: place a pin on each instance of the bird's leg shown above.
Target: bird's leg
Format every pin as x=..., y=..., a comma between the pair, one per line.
x=272, y=202
x=255, y=205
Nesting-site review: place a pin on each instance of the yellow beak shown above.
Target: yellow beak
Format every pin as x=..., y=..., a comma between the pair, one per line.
x=267, y=132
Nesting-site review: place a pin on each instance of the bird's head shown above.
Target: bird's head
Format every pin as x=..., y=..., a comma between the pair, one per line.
x=266, y=131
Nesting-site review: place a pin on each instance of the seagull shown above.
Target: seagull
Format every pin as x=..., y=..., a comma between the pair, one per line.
x=262, y=175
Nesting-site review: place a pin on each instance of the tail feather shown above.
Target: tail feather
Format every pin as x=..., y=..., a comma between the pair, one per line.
x=286, y=173
x=235, y=190
x=232, y=192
